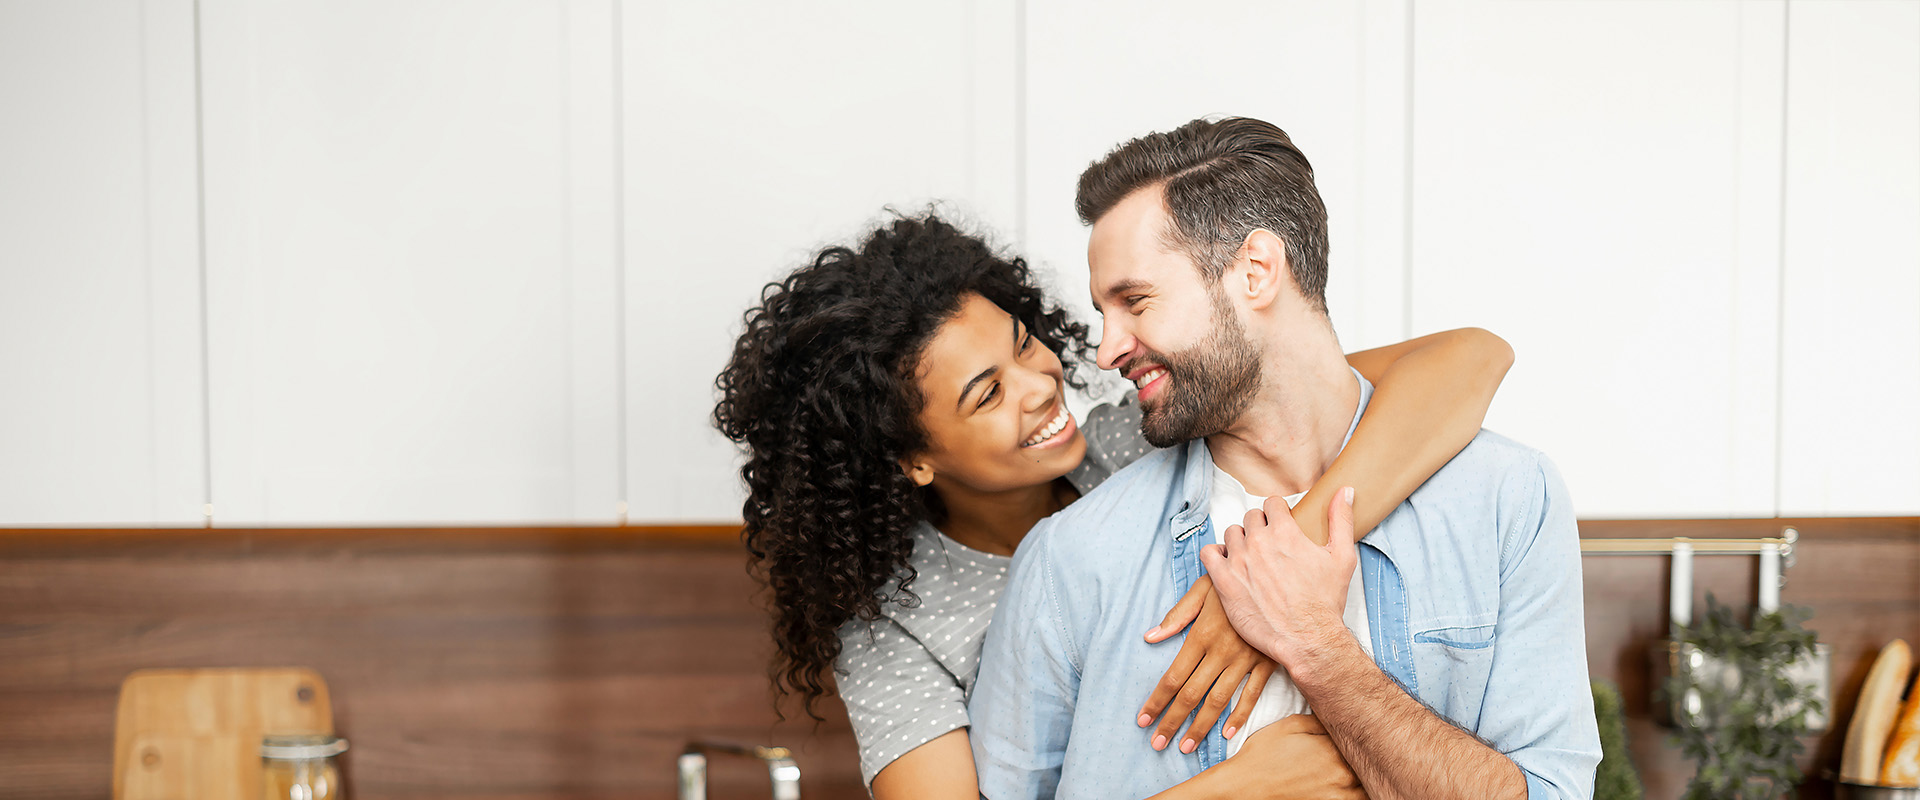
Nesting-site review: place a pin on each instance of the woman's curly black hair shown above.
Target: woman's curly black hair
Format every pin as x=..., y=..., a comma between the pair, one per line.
x=820, y=391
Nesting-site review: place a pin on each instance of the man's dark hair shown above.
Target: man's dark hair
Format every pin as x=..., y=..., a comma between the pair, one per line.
x=1222, y=178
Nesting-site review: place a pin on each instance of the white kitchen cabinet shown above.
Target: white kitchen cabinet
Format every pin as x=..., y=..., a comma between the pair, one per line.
x=1850, y=434
x=101, y=419
x=411, y=270
x=754, y=134
x=480, y=262
x=1599, y=182
x=1332, y=75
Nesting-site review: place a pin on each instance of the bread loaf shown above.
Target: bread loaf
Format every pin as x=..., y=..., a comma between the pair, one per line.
x=1902, y=767
x=1875, y=713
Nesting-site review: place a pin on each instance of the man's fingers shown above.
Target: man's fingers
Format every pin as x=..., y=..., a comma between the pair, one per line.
x=1340, y=534
x=1235, y=540
x=1256, y=683
x=1280, y=521
x=1214, y=556
x=1255, y=519
x=1183, y=613
x=1221, y=569
x=1275, y=508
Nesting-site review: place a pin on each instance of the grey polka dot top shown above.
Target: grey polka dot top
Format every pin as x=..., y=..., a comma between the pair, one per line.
x=905, y=676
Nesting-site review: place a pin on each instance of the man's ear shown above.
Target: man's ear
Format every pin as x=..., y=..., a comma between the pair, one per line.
x=1262, y=271
x=917, y=470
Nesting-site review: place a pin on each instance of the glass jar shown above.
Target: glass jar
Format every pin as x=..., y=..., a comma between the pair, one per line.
x=300, y=766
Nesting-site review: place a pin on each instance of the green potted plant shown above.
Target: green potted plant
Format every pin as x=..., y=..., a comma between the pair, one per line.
x=1615, y=778
x=1743, y=708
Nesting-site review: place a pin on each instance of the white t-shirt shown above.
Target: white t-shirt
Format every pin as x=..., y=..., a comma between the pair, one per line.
x=1281, y=699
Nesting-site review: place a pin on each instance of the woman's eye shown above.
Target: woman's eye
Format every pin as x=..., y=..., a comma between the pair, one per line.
x=1027, y=343
x=987, y=397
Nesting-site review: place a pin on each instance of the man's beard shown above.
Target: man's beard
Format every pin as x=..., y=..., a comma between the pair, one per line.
x=1212, y=382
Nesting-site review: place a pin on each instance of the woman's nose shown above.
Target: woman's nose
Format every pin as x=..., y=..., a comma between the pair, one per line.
x=1039, y=388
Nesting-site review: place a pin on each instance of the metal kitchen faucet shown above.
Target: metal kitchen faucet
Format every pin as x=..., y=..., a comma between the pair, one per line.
x=779, y=761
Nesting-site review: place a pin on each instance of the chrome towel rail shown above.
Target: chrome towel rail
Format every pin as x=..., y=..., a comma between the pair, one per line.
x=1776, y=555
x=1661, y=546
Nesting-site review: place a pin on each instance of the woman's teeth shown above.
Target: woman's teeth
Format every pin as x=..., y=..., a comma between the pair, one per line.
x=1142, y=381
x=1053, y=429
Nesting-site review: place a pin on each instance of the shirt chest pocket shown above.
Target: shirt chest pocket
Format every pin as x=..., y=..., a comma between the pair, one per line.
x=1477, y=637
x=1455, y=663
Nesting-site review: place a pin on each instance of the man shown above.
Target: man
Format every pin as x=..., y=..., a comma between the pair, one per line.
x=1451, y=664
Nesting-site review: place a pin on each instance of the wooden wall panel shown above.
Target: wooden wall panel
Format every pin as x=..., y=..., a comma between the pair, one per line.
x=574, y=662
x=550, y=663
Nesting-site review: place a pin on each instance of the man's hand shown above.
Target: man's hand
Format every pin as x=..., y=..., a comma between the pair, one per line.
x=1293, y=759
x=1212, y=661
x=1283, y=593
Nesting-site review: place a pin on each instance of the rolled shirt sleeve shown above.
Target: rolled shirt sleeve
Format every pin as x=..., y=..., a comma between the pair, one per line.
x=1539, y=702
x=898, y=695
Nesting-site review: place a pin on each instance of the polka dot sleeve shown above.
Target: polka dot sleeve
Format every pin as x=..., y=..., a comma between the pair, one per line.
x=1113, y=438
x=897, y=693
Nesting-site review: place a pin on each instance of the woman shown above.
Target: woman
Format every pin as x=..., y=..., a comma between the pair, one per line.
x=890, y=479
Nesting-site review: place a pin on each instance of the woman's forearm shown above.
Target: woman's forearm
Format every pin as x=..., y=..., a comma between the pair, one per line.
x=1208, y=785
x=1430, y=396
x=1292, y=758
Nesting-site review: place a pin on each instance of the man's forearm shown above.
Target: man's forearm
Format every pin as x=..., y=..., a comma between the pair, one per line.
x=1396, y=746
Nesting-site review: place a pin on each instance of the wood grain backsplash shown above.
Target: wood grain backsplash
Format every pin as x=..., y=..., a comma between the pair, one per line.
x=574, y=663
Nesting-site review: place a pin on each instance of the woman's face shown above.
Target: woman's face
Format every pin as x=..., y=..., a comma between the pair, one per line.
x=995, y=414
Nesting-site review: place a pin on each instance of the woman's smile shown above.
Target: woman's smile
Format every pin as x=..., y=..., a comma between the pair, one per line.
x=1055, y=432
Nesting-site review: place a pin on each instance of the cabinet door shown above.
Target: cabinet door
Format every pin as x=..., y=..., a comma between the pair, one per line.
x=1598, y=182
x=755, y=133
x=1332, y=75
x=1851, y=363
x=410, y=261
x=101, y=419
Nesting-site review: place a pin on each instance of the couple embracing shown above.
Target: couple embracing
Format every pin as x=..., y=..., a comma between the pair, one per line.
x=1271, y=570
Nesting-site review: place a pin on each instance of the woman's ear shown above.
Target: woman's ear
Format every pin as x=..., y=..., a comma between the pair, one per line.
x=917, y=470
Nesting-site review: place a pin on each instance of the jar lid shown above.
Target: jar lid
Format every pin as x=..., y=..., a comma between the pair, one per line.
x=301, y=746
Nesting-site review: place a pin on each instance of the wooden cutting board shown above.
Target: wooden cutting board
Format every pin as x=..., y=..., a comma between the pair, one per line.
x=194, y=734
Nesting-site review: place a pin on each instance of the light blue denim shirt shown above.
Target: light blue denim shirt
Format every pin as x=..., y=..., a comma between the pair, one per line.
x=1473, y=596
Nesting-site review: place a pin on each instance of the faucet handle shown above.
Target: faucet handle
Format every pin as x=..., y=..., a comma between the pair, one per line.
x=781, y=768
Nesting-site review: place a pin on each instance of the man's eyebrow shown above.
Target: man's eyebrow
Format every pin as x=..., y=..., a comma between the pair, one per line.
x=968, y=389
x=1127, y=285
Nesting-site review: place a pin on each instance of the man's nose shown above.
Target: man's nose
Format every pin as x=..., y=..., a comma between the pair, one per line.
x=1115, y=345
